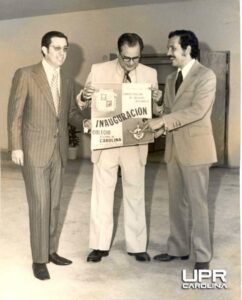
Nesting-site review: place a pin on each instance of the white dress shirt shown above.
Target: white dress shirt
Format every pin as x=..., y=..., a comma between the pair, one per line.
x=185, y=70
x=50, y=71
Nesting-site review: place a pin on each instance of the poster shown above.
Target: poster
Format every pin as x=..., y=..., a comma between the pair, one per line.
x=118, y=115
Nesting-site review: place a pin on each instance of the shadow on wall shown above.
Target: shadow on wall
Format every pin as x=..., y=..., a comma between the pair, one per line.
x=204, y=47
x=73, y=63
x=148, y=49
x=73, y=67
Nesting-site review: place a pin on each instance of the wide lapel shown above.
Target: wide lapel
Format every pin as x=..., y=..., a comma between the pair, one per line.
x=187, y=81
x=118, y=74
x=138, y=74
x=41, y=80
x=171, y=87
x=63, y=91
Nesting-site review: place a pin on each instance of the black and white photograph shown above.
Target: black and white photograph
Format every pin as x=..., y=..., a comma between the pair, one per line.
x=155, y=219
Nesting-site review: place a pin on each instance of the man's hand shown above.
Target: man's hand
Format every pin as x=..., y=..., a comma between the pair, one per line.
x=85, y=96
x=155, y=124
x=157, y=110
x=87, y=92
x=87, y=125
x=156, y=94
x=160, y=132
x=81, y=104
x=156, y=97
x=17, y=157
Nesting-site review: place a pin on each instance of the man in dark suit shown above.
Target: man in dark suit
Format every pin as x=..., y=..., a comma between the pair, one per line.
x=42, y=101
x=190, y=148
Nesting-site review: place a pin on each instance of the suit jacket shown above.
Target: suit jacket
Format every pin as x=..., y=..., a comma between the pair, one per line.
x=111, y=72
x=32, y=121
x=187, y=116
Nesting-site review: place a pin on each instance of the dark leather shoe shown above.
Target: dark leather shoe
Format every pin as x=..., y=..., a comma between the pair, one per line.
x=201, y=266
x=40, y=271
x=167, y=257
x=96, y=255
x=142, y=256
x=58, y=260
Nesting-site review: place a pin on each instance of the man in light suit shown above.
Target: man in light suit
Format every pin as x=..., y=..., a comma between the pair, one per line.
x=190, y=148
x=132, y=160
x=42, y=100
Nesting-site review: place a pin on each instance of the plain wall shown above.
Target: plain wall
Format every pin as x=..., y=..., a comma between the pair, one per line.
x=93, y=36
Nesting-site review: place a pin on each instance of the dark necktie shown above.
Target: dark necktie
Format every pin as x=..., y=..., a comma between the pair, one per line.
x=178, y=81
x=127, y=77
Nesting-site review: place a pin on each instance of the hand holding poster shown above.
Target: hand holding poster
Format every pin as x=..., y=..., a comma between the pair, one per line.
x=118, y=114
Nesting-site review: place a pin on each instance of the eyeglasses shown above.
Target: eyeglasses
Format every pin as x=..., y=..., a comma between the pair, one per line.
x=128, y=59
x=58, y=48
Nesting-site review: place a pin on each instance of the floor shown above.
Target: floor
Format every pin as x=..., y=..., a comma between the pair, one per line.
x=118, y=276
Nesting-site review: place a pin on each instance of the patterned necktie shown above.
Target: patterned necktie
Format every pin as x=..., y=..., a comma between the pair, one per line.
x=127, y=78
x=55, y=91
x=178, y=81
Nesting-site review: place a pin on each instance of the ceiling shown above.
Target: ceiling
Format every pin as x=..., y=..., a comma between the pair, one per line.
x=14, y=9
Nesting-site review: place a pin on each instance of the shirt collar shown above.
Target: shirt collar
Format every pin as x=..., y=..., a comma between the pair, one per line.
x=185, y=70
x=49, y=70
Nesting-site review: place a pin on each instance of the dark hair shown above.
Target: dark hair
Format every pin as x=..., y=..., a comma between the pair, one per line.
x=46, y=39
x=131, y=39
x=187, y=38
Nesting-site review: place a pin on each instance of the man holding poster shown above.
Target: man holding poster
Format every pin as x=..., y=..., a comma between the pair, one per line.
x=190, y=149
x=131, y=159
